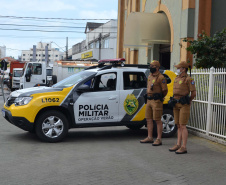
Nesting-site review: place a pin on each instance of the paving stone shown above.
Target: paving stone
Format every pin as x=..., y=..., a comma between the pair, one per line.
x=102, y=156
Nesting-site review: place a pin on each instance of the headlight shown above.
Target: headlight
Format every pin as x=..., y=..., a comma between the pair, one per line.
x=22, y=101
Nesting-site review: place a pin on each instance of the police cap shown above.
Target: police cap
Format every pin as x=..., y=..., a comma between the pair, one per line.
x=182, y=64
x=155, y=63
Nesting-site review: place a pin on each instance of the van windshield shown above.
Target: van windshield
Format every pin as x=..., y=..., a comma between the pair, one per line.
x=74, y=79
x=18, y=73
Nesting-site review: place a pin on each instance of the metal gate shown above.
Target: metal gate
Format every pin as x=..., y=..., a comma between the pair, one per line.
x=208, y=110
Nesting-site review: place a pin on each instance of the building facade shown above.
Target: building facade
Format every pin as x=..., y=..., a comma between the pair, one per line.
x=100, y=43
x=155, y=29
x=38, y=53
x=2, y=51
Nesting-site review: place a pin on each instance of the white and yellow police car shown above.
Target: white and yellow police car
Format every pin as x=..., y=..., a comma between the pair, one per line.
x=108, y=94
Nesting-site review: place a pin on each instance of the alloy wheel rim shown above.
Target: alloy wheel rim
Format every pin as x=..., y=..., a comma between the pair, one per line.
x=168, y=123
x=52, y=127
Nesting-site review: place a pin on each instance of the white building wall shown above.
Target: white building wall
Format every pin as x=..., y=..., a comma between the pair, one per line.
x=107, y=31
x=54, y=53
x=2, y=51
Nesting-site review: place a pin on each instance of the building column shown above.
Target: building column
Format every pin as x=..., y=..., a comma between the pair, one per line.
x=204, y=22
x=132, y=6
x=184, y=54
x=121, y=23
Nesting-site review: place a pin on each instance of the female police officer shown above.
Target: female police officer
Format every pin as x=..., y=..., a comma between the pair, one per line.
x=183, y=85
x=156, y=91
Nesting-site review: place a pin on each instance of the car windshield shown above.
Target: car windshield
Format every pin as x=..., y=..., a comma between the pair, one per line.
x=74, y=79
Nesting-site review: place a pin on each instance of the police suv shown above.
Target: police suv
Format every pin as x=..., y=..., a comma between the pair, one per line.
x=108, y=94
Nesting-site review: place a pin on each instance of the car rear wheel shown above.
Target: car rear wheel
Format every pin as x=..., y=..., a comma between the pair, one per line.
x=51, y=126
x=169, y=127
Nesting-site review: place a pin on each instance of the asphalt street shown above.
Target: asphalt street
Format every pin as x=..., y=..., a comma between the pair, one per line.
x=106, y=156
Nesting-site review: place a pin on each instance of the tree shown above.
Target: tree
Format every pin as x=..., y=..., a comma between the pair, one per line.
x=209, y=51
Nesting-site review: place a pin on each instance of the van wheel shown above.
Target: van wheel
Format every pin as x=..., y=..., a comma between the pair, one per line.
x=51, y=126
x=169, y=127
x=134, y=127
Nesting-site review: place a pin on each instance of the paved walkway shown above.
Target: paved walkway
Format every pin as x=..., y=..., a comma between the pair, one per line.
x=102, y=156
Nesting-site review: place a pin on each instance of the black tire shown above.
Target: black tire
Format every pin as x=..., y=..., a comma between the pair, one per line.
x=49, y=120
x=54, y=77
x=135, y=126
x=169, y=127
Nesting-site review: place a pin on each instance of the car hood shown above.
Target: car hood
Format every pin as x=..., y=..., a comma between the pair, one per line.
x=33, y=90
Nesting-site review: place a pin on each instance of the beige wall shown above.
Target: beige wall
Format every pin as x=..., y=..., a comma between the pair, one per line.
x=181, y=15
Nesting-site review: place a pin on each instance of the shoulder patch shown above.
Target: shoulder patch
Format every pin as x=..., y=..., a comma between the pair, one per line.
x=163, y=81
x=192, y=81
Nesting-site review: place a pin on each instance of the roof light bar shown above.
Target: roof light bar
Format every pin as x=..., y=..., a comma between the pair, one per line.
x=112, y=61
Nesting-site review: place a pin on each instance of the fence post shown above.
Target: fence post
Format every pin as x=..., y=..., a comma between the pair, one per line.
x=210, y=98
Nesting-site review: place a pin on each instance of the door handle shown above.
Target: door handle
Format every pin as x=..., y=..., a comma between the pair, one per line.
x=112, y=98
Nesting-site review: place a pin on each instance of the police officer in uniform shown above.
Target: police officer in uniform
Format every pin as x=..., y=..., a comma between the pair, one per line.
x=183, y=86
x=156, y=91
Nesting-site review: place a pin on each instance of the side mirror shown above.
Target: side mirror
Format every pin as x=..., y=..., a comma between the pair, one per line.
x=28, y=77
x=83, y=88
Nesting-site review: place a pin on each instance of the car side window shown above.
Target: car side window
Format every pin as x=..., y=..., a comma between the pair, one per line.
x=105, y=82
x=89, y=83
x=134, y=80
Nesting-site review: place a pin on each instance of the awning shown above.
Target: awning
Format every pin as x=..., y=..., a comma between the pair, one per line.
x=144, y=29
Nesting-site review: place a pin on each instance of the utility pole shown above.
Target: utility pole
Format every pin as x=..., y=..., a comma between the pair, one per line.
x=66, y=48
x=99, y=46
x=47, y=54
x=34, y=53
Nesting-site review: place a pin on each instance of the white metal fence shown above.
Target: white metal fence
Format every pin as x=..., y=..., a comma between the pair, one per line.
x=208, y=110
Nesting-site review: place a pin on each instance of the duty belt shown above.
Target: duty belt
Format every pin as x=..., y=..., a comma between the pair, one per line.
x=150, y=97
x=156, y=96
x=183, y=100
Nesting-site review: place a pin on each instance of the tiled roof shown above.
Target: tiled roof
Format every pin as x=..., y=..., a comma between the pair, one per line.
x=92, y=26
x=8, y=58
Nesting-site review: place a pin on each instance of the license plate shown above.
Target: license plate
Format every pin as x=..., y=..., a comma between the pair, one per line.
x=3, y=113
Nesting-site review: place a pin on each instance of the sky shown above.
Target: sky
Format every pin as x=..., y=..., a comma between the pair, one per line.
x=18, y=15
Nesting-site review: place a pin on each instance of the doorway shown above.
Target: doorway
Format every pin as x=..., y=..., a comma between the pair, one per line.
x=164, y=55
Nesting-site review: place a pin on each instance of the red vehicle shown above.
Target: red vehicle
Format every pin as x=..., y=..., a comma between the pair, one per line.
x=13, y=66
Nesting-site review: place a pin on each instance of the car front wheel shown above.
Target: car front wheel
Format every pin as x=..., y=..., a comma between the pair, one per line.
x=51, y=126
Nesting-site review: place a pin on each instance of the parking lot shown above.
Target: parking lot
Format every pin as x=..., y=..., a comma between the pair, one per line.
x=109, y=155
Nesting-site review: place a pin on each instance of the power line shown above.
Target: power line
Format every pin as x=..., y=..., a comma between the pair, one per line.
x=40, y=37
x=58, y=46
x=14, y=49
x=105, y=27
x=45, y=20
x=15, y=29
x=49, y=18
